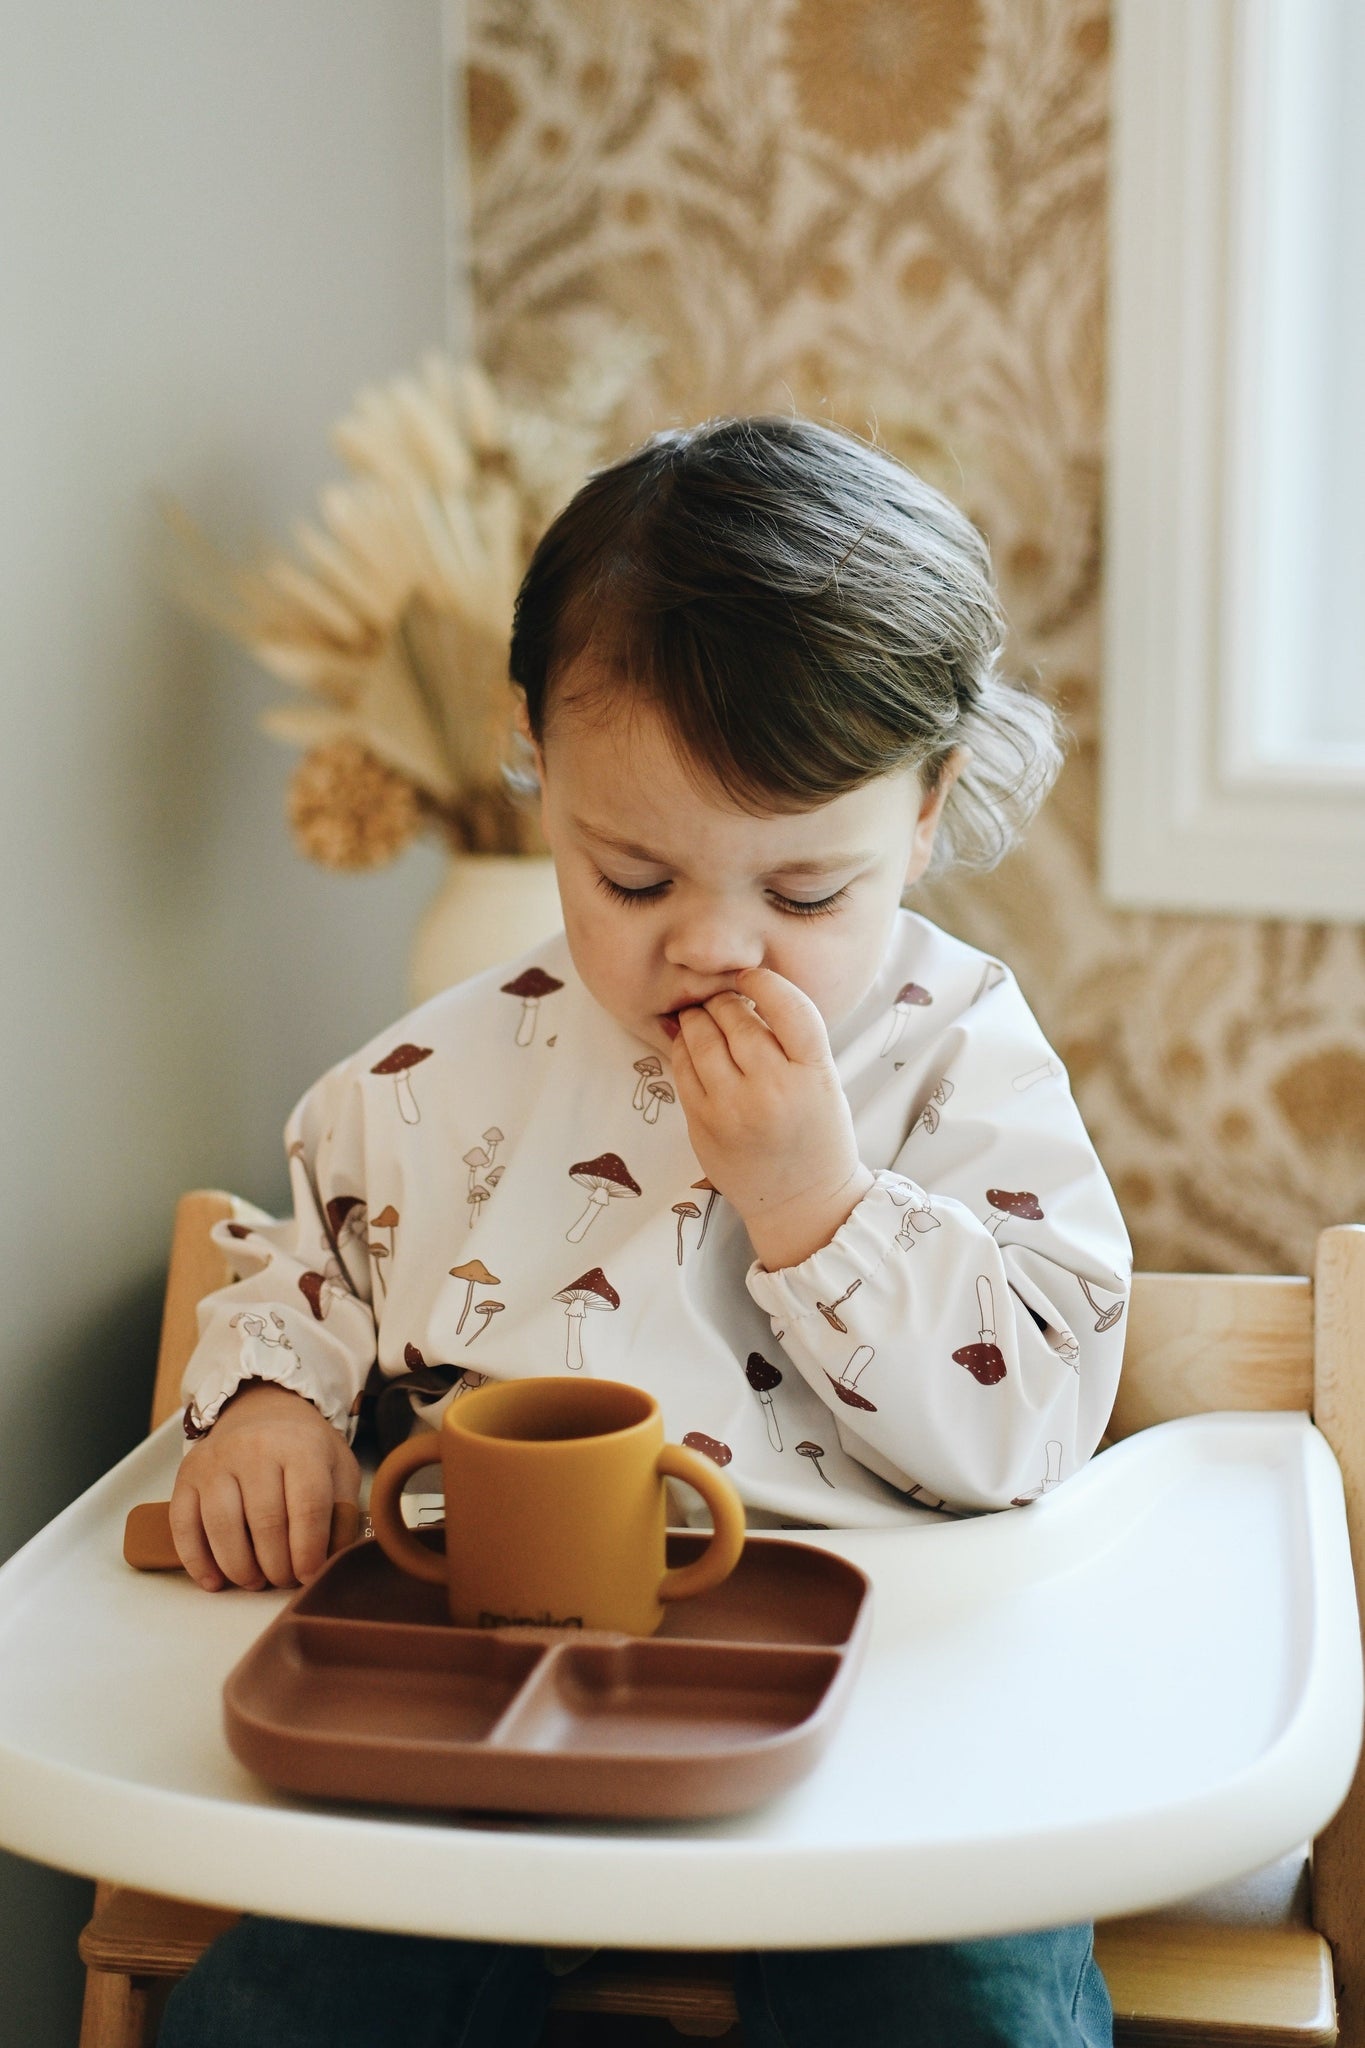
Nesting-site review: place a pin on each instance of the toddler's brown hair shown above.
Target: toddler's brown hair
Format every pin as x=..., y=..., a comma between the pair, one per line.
x=805, y=612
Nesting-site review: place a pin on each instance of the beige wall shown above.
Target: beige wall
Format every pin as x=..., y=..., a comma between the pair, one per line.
x=215, y=221
x=892, y=212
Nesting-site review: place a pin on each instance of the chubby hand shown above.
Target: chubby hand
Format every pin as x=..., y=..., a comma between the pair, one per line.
x=768, y=1119
x=253, y=1499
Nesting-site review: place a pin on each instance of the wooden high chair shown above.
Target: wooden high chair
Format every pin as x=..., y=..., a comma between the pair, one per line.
x=1196, y=1343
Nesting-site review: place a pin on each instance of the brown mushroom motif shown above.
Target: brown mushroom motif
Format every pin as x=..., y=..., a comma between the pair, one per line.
x=928, y=1118
x=607, y=1179
x=532, y=985
x=829, y=1309
x=400, y=1063
x=712, y=1194
x=474, y=1273
x=1052, y=1476
x=274, y=1334
x=591, y=1290
x=648, y=1069
x=846, y=1386
x=1023, y=1204
x=985, y=1361
x=919, y=1218
x=1105, y=1318
x=683, y=1210
x=1048, y=1070
x=658, y=1092
x=815, y=1452
x=910, y=997
x=763, y=1377
x=486, y=1309
x=387, y=1219
x=474, y=1158
x=477, y=1197
x=710, y=1446
x=492, y=1137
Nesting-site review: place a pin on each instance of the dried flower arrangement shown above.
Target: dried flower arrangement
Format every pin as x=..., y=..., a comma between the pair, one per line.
x=395, y=624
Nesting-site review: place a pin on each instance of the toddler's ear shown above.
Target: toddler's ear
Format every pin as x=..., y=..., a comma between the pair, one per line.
x=522, y=724
x=931, y=813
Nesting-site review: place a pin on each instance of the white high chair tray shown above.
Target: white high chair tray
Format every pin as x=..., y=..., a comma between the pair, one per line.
x=1144, y=1684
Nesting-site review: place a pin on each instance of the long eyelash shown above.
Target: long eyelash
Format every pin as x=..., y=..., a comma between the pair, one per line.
x=821, y=909
x=618, y=894
x=788, y=905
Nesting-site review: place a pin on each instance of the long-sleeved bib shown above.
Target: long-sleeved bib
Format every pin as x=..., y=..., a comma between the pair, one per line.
x=502, y=1185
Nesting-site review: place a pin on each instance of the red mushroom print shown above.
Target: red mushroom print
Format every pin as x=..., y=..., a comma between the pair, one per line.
x=763, y=1377
x=1105, y=1318
x=658, y=1092
x=711, y=1196
x=486, y=1309
x=984, y=1361
x=828, y=1308
x=343, y=1221
x=591, y=1290
x=911, y=997
x=400, y=1063
x=474, y=1273
x=649, y=1068
x=428, y=1382
x=710, y=1447
x=311, y=1287
x=191, y=1423
x=928, y=1118
x=607, y=1179
x=532, y=985
x=815, y=1452
x=1003, y=1204
x=846, y=1386
x=682, y=1210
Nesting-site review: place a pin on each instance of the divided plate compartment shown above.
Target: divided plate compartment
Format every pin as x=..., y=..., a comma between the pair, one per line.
x=362, y=1689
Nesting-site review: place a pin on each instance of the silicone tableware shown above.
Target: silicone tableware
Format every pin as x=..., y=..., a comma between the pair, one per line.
x=148, y=1545
x=363, y=1689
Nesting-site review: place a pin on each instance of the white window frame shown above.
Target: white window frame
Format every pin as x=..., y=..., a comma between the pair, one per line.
x=1207, y=804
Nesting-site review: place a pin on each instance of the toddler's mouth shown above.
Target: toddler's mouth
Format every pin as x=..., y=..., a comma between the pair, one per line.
x=669, y=1018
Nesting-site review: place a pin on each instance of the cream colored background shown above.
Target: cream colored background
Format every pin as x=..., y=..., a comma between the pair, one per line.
x=891, y=213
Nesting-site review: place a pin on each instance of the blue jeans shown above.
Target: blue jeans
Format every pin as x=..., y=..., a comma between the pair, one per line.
x=281, y=1984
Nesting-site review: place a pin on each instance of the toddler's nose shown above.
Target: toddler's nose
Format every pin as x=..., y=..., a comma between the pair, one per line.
x=712, y=942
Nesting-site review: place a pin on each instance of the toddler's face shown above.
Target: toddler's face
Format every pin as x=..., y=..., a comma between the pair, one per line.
x=668, y=891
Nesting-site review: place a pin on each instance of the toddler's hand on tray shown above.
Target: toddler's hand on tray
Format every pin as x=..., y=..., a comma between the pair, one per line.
x=767, y=1116
x=252, y=1503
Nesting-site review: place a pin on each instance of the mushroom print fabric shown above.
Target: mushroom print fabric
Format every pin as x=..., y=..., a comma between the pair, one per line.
x=468, y=1195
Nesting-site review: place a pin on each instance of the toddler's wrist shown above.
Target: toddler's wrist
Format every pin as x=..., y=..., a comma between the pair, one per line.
x=787, y=1233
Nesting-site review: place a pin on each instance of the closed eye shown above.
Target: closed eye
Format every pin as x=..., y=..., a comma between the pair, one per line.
x=790, y=906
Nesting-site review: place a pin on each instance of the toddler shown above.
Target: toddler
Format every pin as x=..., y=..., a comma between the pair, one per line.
x=747, y=1134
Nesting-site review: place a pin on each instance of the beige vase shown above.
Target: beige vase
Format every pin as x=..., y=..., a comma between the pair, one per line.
x=490, y=908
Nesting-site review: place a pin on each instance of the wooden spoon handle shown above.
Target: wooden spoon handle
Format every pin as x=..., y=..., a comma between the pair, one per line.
x=149, y=1547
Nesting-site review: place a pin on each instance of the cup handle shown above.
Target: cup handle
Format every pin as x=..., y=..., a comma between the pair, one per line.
x=392, y=1534
x=722, y=1553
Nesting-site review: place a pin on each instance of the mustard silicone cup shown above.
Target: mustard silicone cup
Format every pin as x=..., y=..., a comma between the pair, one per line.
x=556, y=1508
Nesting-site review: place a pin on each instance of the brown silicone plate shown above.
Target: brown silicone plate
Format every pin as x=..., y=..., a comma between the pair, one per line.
x=362, y=1689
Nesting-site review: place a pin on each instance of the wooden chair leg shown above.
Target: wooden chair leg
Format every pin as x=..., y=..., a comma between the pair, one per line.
x=117, y=2012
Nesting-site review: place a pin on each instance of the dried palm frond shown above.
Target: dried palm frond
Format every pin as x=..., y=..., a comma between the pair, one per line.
x=393, y=618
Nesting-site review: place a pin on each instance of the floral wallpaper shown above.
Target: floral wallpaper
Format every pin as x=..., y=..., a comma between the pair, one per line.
x=891, y=214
